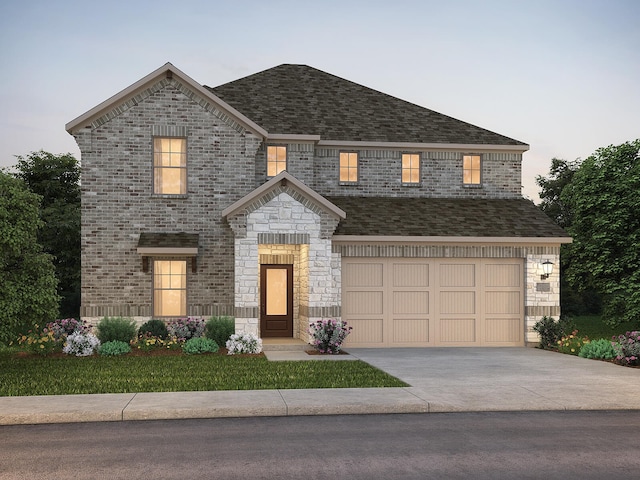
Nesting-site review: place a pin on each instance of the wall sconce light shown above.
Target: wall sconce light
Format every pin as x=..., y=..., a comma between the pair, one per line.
x=547, y=269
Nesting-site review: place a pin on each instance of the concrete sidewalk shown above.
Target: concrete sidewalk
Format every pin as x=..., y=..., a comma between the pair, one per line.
x=441, y=379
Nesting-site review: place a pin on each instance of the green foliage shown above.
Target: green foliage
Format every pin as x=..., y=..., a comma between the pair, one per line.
x=627, y=347
x=114, y=348
x=154, y=328
x=148, y=343
x=116, y=328
x=56, y=178
x=27, y=276
x=551, y=331
x=182, y=373
x=604, y=201
x=572, y=343
x=40, y=342
x=220, y=329
x=197, y=345
x=598, y=349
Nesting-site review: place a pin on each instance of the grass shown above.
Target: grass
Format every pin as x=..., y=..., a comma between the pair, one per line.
x=593, y=327
x=73, y=375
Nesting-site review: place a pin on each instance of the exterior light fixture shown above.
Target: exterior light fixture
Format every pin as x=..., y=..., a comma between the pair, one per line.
x=547, y=269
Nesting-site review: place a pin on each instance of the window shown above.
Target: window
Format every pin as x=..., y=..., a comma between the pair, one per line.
x=276, y=160
x=410, y=168
x=170, y=288
x=348, y=167
x=170, y=166
x=471, y=169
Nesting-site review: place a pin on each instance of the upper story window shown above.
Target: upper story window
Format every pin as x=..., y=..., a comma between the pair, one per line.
x=170, y=288
x=276, y=159
x=471, y=169
x=348, y=167
x=170, y=166
x=410, y=168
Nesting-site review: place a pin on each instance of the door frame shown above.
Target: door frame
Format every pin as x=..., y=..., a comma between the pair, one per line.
x=288, y=317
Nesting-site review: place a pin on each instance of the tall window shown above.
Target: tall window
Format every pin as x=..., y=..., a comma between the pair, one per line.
x=348, y=167
x=170, y=288
x=471, y=168
x=276, y=160
x=410, y=168
x=170, y=166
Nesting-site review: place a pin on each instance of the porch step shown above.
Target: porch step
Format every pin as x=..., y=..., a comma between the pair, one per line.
x=284, y=345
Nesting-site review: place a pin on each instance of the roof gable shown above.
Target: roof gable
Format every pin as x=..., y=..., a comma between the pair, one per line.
x=301, y=100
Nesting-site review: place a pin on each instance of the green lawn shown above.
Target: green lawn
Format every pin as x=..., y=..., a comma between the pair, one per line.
x=73, y=375
x=592, y=327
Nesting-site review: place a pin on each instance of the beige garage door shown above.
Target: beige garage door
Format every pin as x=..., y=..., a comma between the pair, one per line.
x=400, y=302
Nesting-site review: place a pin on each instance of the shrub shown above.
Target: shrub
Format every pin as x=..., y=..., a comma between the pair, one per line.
x=328, y=335
x=572, y=343
x=186, y=328
x=114, y=348
x=551, y=331
x=116, y=328
x=81, y=344
x=197, y=345
x=220, y=329
x=600, y=349
x=627, y=347
x=39, y=342
x=66, y=326
x=243, y=343
x=148, y=342
x=154, y=328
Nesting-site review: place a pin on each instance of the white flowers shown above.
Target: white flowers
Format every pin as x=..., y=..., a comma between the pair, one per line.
x=81, y=344
x=243, y=343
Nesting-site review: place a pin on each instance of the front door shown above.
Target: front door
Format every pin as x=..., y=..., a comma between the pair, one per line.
x=276, y=300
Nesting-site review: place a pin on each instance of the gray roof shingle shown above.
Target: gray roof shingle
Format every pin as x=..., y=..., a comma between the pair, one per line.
x=444, y=217
x=168, y=240
x=297, y=99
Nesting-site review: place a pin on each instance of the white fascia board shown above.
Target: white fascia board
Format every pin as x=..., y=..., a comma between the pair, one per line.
x=292, y=138
x=369, y=239
x=433, y=147
x=132, y=90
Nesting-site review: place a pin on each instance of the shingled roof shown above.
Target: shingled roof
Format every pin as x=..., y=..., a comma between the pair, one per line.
x=444, y=217
x=297, y=99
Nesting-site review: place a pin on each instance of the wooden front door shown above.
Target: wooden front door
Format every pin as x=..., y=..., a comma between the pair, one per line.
x=276, y=300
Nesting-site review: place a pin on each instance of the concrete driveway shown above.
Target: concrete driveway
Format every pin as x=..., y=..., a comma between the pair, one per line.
x=485, y=379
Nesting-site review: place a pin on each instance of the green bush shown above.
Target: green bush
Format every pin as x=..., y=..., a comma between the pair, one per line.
x=220, y=329
x=197, y=345
x=116, y=328
x=552, y=331
x=572, y=344
x=114, y=348
x=154, y=328
x=600, y=349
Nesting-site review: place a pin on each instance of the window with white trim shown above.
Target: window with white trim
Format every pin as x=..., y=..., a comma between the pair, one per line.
x=170, y=166
x=348, y=167
x=276, y=159
x=169, y=288
x=410, y=168
x=471, y=169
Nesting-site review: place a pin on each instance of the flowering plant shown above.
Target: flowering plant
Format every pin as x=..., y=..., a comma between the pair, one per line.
x=627, y=348
x=66, y=326
x=186, y=328
x=81, y=344
x=147, y=342
x=243, y=343
x=328, y=335
x=572, y=344
x=40, y=342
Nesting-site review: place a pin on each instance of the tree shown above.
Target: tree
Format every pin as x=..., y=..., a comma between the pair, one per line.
x=604, y=198
x=27, y=276
x=572, y=301
x=56, y=178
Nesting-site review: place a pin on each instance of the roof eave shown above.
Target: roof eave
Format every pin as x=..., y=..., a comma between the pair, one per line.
x=350, y=239
x=434, y=147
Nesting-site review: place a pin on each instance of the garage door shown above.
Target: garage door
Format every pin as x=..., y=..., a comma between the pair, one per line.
x=401, y=302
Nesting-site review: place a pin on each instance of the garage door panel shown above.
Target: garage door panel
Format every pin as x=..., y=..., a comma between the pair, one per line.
x=457, y=275
x=364, y=275
x=502, y=330
x=458, y=330
x=410, y=275
x=411, y=330
x=364, y=303
x=457, y=302
x=502, y=303
x=503, y=275
x=411, y=303
x=367, y=331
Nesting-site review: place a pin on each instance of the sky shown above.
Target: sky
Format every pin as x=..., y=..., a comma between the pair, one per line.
x=560, y=75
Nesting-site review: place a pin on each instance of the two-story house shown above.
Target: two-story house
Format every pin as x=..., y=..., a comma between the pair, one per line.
x=292, y=195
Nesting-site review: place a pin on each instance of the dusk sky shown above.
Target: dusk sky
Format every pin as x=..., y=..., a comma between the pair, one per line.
x=560, y=75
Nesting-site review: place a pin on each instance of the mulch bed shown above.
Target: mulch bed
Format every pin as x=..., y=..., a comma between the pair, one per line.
x=316, y=352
